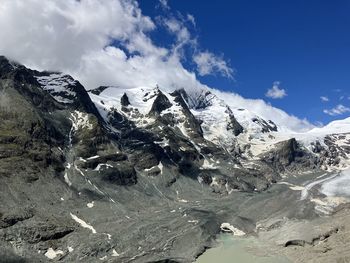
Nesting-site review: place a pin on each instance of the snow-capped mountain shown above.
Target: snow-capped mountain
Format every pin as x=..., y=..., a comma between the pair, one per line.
x=132, y=156
x=230, y=128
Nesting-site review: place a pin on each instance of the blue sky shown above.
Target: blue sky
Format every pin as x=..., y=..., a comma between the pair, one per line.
x=305, y=45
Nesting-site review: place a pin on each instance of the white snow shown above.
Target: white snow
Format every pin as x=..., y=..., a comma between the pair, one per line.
x=57, y=83
x=51, y=253
x=207, y=165
x=70, y=249
x=293, y=186
x=83, y=223
x=214, y=182
x=338, y=186
x=66, y=179
x=215, y=117
x=80, y=120
x=115, y=253
x=226, y=227
x=160, y=166
x=100, y=165
x=141, y=99
x=90, y=205
x=163, y=143
x=93, y=157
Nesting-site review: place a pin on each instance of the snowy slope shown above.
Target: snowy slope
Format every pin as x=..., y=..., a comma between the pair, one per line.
x=57, y=84
x=259, y=135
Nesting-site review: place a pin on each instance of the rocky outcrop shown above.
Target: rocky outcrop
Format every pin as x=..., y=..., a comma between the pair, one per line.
x=98, y=90
x=289, y=155
x=267, y=126
x=124, y=100
x=160, y=104
x=233, y=124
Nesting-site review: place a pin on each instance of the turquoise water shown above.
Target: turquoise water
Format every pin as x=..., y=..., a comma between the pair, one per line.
x=239, y=250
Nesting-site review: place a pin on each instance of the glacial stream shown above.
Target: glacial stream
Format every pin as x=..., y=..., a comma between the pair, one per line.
x=324, y=192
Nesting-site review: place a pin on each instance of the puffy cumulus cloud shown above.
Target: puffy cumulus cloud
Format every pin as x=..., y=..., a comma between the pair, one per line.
x=337, y=110
x=107, y=42
x=276, y=92
x=58, y=34
x=208, y=63
x=324, y=98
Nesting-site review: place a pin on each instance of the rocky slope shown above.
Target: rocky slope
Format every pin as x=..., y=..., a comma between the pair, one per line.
x=136, y=174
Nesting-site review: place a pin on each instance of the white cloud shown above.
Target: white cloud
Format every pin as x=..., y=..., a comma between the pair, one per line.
x=164, y=4
x=181, y=32
x=58, y=34
x=208, y=63
x=108, y=43
x=324, y=98
x=276, y=92
x=337, y=110
x=191, y=19
x=266, y=111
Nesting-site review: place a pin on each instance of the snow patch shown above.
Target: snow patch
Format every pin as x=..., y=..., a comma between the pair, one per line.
x=57, y=84
x=83, y=223
x=115, y=253
x=51, y=253
x=207, y=165
x=226, y=227
x=66, y=179
x=160, y=166
x=100, y=165
x=80, y=120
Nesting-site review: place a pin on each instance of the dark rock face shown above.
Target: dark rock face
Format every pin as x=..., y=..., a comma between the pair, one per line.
x=160, y=104
x=267, y=126
x=289, y=154
x=123, y=174
x=124, y=100
x=203, y=101
x=15, y=216
x=234, y=125
x=191, y=122
x=98, y=90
